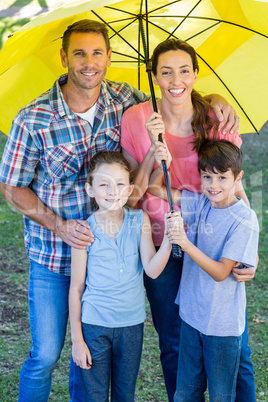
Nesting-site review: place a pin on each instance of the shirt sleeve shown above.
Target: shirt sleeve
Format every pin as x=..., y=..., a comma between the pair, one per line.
x=242, y=242
x=190, y=203
x=128, y=120
x=138, y=96
x=20, y=156
x=235, y=138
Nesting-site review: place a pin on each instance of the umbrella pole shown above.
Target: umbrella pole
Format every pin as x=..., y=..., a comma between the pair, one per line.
x=176, y=249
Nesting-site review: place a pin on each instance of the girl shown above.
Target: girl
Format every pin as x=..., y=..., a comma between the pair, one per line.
x=107, y=302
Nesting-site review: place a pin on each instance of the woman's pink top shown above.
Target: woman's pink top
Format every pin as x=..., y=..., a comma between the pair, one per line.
x=183, y=172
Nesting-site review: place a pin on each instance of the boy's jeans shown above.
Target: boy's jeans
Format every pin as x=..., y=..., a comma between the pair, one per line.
x=204, y=358
x=48, y=313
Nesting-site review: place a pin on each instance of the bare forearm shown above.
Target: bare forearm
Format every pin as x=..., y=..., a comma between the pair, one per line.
x=159, y=260
x=141, y=177
x=240, y=192
x=157, y=188
x=75, y=315
x=218, y=270
x=74, y=232
x=27, y=202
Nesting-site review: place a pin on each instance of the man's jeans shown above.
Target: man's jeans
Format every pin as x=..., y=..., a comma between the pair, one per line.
x=245, y=388
x=48, y=313
x=203, y=359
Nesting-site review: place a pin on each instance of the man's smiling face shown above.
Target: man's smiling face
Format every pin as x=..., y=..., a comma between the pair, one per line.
x=87, y=59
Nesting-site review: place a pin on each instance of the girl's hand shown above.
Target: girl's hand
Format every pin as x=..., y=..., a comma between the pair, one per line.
x=175, y=230
x=81, y=355
x=155, y=126
x=162, y=154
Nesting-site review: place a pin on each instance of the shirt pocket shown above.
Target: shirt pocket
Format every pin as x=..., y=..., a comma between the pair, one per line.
x=61, y=161
x=132, y=263
x=112, y=138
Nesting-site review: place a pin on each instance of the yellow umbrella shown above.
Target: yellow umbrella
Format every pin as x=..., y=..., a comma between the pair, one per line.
x=230, y=38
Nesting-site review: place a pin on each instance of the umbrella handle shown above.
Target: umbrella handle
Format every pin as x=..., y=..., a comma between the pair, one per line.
x=176, y=249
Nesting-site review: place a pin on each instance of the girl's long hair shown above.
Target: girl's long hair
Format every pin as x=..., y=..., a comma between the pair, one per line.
x=202, y=122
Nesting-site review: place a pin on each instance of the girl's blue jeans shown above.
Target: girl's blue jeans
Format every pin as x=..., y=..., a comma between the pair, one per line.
x=48, y=314
x=116, y=355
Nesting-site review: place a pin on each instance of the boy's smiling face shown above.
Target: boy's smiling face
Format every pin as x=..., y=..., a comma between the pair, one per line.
x=219, y=188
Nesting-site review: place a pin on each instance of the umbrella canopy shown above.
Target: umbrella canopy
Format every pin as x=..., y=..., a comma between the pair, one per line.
x=230, y=38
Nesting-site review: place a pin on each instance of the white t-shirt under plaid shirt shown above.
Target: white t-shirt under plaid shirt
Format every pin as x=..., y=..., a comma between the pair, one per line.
x=49, y=148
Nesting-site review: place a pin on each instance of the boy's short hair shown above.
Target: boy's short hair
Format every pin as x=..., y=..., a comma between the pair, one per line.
x=220, y=156
x=85, y=26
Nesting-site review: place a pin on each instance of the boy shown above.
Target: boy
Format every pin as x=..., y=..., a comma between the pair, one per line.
x=221, y=230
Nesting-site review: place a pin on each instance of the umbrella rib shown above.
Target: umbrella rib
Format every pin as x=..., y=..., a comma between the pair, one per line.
x=204, y=30
x=120, y=10
x=117, y=33
x=230, y=92
x=164, y=5
x=130, y=18
x=124, y=27
x=185, y=17
x=135, y=59
x=208, y=19
x=161, y=29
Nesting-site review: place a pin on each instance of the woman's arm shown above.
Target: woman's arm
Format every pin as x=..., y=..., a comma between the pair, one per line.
x=156, y=186
x=154, y=125
x=80, y=351
x=240, y=192
x=245, y=274
x=141, y=173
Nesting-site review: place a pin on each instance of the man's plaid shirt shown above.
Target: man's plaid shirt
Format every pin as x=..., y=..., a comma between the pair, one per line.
x=49, y=149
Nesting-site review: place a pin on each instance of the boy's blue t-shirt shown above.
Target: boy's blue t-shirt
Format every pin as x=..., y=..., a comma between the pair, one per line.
x=216, y=308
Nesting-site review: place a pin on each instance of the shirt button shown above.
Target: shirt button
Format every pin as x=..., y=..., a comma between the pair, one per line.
x=121, y=270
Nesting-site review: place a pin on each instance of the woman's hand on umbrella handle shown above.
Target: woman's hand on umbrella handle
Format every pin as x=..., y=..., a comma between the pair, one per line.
x=155, y=126
x=162, y=154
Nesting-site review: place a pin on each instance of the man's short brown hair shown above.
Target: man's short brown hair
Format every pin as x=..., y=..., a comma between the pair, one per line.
x=85, y=26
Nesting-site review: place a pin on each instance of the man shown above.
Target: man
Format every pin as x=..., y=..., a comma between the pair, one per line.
x=43, y=173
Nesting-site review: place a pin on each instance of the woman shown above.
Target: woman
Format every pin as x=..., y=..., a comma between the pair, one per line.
x=185, y=119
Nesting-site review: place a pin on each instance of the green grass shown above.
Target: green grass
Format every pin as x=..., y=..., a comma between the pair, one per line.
x=14, y=328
